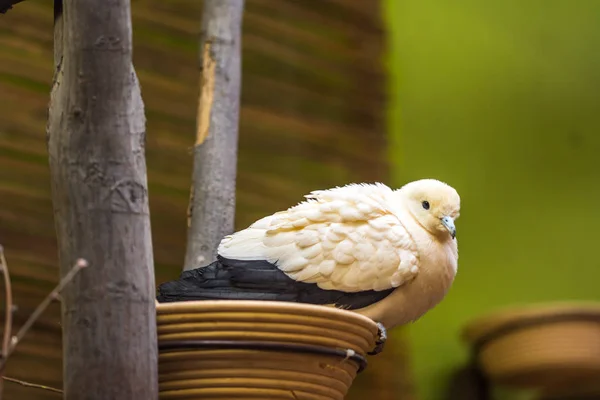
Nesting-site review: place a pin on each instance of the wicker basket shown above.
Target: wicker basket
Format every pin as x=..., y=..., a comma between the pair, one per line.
x=539, y=346
x=259, y=350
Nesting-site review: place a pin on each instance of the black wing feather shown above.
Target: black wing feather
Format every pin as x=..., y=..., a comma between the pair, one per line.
x=257, y=280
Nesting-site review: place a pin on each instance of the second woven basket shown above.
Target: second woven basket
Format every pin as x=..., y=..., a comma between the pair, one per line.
x=546, y=346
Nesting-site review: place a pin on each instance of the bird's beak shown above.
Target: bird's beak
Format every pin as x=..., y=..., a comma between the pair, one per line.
x=448, y=223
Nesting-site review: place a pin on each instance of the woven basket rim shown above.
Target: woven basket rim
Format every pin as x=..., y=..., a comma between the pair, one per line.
x=526, y=315
x=264, y=306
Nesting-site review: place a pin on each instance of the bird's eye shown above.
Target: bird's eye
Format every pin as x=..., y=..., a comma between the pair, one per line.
x=425, y=205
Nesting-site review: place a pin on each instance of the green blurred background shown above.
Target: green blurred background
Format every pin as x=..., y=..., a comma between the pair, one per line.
x=499, y=99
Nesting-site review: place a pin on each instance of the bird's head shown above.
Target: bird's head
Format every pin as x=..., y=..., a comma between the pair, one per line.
x=434, y=204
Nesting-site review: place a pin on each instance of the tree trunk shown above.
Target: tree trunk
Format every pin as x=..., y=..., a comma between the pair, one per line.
x=96, y=139
x=212, y=197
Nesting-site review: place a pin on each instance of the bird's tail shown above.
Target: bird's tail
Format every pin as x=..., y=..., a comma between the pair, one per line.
x=239, y=280
x=197, y=284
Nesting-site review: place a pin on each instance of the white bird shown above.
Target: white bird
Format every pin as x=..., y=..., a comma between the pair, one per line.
x=390, y=255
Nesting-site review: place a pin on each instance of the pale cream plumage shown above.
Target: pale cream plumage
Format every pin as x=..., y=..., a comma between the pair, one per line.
x=363, y=237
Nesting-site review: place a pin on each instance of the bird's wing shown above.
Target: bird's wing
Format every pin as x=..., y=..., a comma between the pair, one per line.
x=343, y=239
x=257, y=280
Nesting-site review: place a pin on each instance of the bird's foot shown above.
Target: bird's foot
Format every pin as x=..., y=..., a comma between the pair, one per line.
x=381, y=339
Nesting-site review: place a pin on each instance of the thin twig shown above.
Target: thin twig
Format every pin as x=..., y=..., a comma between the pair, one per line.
x=9, y=343
x=8, y=317
x=32, y=385
x=9, y=306
x=79, y=265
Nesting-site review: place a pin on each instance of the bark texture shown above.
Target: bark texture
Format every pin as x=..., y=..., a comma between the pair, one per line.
x=212, y=198
x=96, y=140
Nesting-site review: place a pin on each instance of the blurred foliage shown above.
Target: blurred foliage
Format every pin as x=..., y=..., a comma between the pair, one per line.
x=501, y=100
x=313, y=116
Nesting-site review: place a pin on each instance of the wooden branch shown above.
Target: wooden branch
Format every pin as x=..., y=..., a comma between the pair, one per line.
x=53, y=295
x=212, y=197
x=32, y=385
x=10, y=343
x=96, y=146
x=6, y=5
x=39, y=310
x=8, y=317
